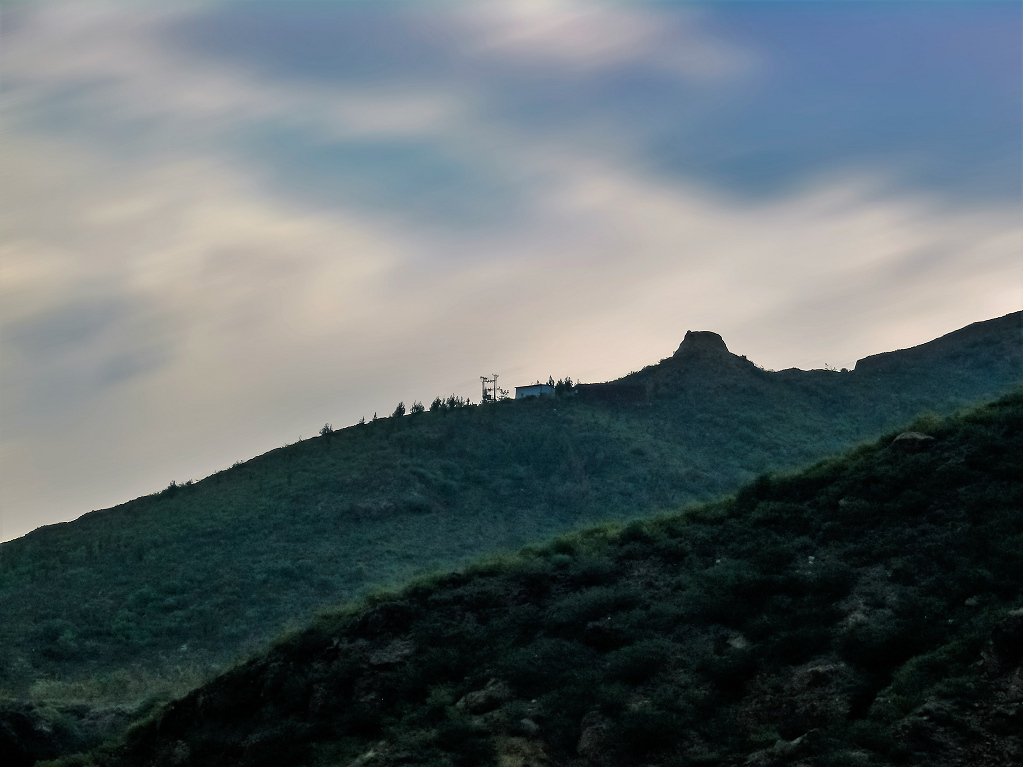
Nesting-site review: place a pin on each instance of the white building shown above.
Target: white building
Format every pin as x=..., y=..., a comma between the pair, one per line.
x=533, y=390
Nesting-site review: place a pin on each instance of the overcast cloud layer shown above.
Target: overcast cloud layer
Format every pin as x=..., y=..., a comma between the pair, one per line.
x=225, y=224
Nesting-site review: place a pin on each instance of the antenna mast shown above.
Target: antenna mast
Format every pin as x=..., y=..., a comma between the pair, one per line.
x=491, y=391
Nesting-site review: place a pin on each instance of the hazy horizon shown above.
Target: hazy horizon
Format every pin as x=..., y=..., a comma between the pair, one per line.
x=227, y=223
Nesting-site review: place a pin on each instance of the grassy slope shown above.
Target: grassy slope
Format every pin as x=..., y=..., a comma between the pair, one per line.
x=166, y=586
x=863, y=611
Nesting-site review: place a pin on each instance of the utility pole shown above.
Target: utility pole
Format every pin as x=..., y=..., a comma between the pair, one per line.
x=491, y=393
x=490, y=390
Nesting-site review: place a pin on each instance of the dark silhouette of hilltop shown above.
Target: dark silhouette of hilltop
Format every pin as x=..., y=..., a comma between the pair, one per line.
x=968, y=351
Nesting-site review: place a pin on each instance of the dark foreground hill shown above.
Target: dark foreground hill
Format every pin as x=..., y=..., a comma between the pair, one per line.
x=146, y=598
x=866, y=611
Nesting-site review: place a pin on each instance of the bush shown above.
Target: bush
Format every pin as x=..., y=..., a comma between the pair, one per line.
x=638, y=662
x=468, y=745
x=544, y=663
x=649, y=728
x=574, y=611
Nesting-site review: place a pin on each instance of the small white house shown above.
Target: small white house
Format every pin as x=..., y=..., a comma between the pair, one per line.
x=533, y=390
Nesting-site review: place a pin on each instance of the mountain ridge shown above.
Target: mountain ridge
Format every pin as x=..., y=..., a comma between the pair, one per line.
x=955, y=343
x=863, y=611
x=143, y=599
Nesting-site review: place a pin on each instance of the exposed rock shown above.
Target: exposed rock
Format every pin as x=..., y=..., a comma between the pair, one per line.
x=529, y=727
x=593, y=740
x=783, y=751
x=375, y=755
x=737, y=641
x=911, y=442
x=490, y=697
x=519, y=752
x=701, y=343
x=393, y=653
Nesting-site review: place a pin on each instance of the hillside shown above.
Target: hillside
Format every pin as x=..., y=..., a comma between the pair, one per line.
x=865, y=611
x=148, y=597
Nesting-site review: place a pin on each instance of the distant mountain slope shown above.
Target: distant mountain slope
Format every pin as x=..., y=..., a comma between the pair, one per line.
x=866, y=611
x=981, y=347
x=158, y=590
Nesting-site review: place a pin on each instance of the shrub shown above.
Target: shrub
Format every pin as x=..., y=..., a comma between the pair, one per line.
x=468, y=745
x=575, y=610
x=543, y=664
x=649, y=728
x=637, y=662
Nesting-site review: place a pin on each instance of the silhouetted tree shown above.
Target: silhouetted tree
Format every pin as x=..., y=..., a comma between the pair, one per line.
x=454, y=401
x=563, y=386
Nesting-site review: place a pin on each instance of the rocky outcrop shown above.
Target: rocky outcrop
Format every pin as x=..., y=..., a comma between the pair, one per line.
x=594, y=737
x=490, y=697
x=701, y=343
x=911, y=442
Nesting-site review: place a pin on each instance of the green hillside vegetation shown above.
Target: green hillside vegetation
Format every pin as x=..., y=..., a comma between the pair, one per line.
x=865, y=611
x=107, y=615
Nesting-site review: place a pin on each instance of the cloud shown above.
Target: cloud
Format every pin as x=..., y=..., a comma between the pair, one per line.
x=829, y=273
x=589, y=36
x=146, y=303
x=84, y=344
x=122, y=59
x=184, y=292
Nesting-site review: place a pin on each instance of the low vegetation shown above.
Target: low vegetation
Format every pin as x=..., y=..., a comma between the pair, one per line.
x=865, y=611
x=110, y=615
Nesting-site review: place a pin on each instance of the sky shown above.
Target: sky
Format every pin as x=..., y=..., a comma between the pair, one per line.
x=224, y=224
